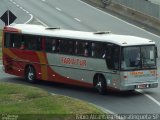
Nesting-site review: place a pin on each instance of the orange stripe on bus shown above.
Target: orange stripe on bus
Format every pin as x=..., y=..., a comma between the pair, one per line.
x=10, y=53
x=43, y=62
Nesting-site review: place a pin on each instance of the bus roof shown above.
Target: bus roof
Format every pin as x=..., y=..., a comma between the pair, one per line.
x=122, y=40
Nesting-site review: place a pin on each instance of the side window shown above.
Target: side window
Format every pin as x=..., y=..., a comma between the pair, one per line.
x=50, y=44
x=98, y=50
x=116, y=56
x=67, y=47
x=79, y=48
x=8, y=41
x=13, y=40
x=32, y=42
x=83, y=48
x=87, y=49
x=53, y=45
x=112, y=56
x=39, y=43
x=71, y=47
x=17, y=40
x=63, y=46
x=58, y=42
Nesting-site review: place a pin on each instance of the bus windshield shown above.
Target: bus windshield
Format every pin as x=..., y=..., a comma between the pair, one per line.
x=139, y=57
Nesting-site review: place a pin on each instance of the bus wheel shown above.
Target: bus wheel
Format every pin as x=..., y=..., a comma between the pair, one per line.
x=101, y=84
x=30, y=74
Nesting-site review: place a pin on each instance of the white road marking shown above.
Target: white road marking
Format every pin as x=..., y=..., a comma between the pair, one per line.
x=31, y=16
x=103, y=109
x=21, y=7
x=14, y=2
x=24, y=10
x=119, y=19
x=17, y=5
x=58, y=9
x=114, y=115
x=150, y=97
x=42, y=22
x=43, y=0
x=27, y=12
x=77, y=19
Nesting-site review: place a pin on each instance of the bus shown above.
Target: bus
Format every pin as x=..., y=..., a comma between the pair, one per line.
x=90, y=59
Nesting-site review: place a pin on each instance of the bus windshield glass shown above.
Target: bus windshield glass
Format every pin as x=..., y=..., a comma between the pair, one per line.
x=139, y=57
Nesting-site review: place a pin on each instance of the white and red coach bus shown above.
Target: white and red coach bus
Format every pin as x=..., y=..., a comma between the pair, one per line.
x=101, y=60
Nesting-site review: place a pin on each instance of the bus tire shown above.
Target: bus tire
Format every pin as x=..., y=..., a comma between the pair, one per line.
x=30, y=74
x=100, y=84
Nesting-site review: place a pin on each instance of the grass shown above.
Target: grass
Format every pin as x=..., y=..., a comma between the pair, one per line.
x=33, y=103
x=0, y=44
x=0, y=38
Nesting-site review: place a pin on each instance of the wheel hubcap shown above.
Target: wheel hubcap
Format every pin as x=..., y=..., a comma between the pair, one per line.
x=30, y=74
x=99, y=84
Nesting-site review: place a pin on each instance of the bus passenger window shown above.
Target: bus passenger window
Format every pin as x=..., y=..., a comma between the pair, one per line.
x=50, y=44
x=32, y=42
x=112, y=56
x=63, y=46
x=58, y=46
x=70, y=47
x=53, y=44
x=39, y=44
x=93, y=50
x=86, y=50
x=17, y=40
x=99, y=50
x=116, y=58
x=83, y=48
x=80, y=46
x=8, y=40
x=22, y=47
x=66, y=46
x=13, y=40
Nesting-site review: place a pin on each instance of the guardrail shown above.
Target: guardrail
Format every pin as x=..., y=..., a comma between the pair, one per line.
x=129, y=12
x=147, y=7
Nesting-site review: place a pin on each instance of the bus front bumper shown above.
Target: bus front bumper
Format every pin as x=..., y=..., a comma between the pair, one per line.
x=139, y=86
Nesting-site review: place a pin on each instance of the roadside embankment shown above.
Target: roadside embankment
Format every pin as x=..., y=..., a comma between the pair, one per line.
x=0, y=38
x=130, y=13
x=0, y=44
x=31, y=103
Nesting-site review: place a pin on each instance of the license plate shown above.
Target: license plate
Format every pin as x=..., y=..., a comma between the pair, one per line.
x=142, y=86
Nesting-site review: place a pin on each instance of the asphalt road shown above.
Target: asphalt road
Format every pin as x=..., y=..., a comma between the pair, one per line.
x=76, y=15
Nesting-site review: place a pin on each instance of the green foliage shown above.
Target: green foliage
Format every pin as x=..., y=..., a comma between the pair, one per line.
x=30, y=102
x=0, y=44
x=0, y=38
